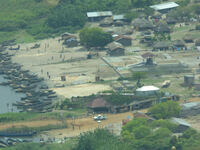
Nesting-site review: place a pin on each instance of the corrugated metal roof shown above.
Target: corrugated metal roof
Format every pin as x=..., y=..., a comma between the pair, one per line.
x=180, y=121
x=148, y=88
x=190, y=105
x=118, y=17
x=99, y=14
x=165, y=6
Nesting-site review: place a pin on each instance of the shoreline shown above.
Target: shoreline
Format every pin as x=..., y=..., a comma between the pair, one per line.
x=39, y=98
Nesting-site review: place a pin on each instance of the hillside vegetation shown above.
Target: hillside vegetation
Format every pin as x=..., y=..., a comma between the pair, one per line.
x=26, y=21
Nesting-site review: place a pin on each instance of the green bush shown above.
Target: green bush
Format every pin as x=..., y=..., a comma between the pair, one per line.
x=94, y=37
x=165, y=110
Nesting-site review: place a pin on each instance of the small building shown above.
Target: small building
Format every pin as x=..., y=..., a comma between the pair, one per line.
x=115, y=49
x=162, y=28
x=142, y=24
x=147, y=91
x=99, y=105
x=171, y=20
x=161, y=45
x=149, y=58
x=124, y=40
x=138, y=114
x=66, y=36
x=164, y=7
x=197, y=42
x=97, y=16
x=71, y=42
x=182, y=125
x=190, y=109
x=188, y=80
x=106, y=22
x=119, y=17
x=179, y=45
x=188, y=38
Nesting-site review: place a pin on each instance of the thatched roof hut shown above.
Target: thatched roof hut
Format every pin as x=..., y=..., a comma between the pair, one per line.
x=188, y=38
x=115, y=49
x=179, y=43
x=142, y=24
x=106, y=22
x=162, y=45
x=197, y=42
x=171, y=20
x=147, y=55
x=162, y=28
x=99, y=104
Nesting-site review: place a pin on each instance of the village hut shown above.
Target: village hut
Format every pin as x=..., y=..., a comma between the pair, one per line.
x=179, y=45
x=164, y=7
x=97, y=16
x=162, y=28
x=188, y=38
x=106, y=22
x=148, y=55
x=188, y=80
x=115, y=49
x=71, y=42
x=147, y=91
x=141, y=24
x=98, y=105
x=124, y=40
x=197, y=27
x=190, y=109
x=124, y=30
x=161, y=45
x=119, y=23
x=171, y=20
x=182, y=125
x=139, y=114
x=66, y=36
x=197, y=42
x=119, y=18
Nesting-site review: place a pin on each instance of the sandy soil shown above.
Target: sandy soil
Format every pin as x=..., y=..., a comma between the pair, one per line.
x=81, y=90
x=52, y=60
x=86, y=124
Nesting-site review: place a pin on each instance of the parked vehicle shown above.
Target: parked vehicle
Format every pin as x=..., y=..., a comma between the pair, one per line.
x=99, y=117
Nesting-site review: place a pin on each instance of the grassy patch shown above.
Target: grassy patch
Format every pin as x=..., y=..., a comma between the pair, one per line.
x=24, y=116
x=37, y=129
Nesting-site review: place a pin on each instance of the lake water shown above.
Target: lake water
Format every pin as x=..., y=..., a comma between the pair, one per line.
x=7, y=97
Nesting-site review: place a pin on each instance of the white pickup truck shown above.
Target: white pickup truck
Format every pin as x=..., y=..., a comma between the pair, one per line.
x=99, y=117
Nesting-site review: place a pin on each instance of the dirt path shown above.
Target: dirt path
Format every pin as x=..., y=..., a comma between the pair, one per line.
x=86, y=124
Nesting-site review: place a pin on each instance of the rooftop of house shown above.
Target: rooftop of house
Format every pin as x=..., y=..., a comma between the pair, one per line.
x=148, y=88
x=99, y=14
x=180, y=121
x=114, y=45
x=147, y=55
x=118, y=17
x=164, y=6
x=97, y=103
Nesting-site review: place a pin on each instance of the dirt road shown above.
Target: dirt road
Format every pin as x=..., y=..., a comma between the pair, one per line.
x=80, y=125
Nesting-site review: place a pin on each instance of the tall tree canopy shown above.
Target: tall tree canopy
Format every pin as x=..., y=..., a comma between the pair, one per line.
x=94, y=37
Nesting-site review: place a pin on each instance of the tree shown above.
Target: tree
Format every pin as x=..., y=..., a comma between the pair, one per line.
x=131, y=15
x=100, y=139
x=67, y=15
x=94, y=37
x=165, y=110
